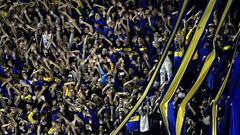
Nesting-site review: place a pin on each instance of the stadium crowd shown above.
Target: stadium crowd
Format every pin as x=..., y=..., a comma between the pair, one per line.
x=79, y=66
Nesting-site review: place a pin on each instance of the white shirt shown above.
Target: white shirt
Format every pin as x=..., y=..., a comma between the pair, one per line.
x=166, y=69
x=206, y=120
x=144, y=123
x=45, y=38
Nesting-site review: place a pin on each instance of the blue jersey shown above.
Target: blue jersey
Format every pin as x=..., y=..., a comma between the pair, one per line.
x=134, y=123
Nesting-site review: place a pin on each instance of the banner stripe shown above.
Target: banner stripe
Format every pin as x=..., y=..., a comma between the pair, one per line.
x=204, y=71
x=207, y=64
x=219, y=94
x=182, y=109
x=216, y=99
x=193, y=44
x=180, y=16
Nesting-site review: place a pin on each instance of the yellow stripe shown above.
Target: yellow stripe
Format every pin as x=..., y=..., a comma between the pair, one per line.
x=178, y=54
x=195, y=56
x=127, y=49
x=142, y=49
x=80, y=4
x=170, y=52
x=202, y=75
x=78, y=11
x=47, y=79
x=214, y=106
x=30, y=118
x=225, y=48
x=118, y=49
x=188, y=36
x=218, y=96
x=67, y=94
x=28, y=97
x=182, y=109
x=50, y=131
x=155, y=72
x=111, y=66
x=175, y=82
x=134, y=119
x=216, y=99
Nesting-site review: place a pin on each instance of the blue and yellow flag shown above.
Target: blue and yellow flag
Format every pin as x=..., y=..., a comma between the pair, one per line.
x=204, y=71
x=219, y=94
x=164, y=105
x=235, y=108
x=233, y=90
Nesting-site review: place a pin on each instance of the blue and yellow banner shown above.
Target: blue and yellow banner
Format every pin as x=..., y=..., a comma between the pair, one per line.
x=164, y=105
x=219, y=94
x=204, y=71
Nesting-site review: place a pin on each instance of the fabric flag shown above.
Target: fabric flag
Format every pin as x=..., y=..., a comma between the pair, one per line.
x=182, y=109
x=235, y=109
x=235, y=115
x=218, y=96
x=204, y=71
x=235, y=80
x=207, y=15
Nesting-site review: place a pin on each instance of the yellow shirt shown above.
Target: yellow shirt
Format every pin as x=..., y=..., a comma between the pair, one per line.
x=48, y=79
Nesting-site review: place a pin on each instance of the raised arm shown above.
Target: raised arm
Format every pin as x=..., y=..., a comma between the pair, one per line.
x=3, y=31
x=40, y=16
x=26, y=16
x=236, y=35
x=107, y=40
x=88, y=25
x=57, y=18
x=109, y=10
x=71, y=38
x=15, y=89
x=44, y=4
x=41, y=92
x=72, y=21
x=69, y=123
x=131, y=81
x=99, y=6
x=84, y=47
